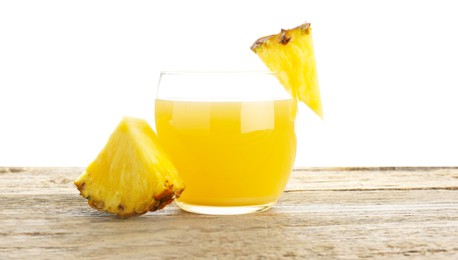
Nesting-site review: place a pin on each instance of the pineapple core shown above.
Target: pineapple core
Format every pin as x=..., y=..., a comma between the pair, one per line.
x=131, y=175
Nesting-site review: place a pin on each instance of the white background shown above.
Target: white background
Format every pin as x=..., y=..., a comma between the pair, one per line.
x=69, y=71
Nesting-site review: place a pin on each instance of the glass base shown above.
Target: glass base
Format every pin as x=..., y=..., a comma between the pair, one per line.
x=223, y=210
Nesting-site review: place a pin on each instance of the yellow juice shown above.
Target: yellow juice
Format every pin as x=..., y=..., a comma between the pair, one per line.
x=231, y=153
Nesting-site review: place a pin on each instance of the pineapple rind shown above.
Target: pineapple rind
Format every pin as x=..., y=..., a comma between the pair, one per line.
x=131, y=175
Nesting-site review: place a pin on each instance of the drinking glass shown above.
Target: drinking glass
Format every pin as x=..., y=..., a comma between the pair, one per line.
x=231, y=137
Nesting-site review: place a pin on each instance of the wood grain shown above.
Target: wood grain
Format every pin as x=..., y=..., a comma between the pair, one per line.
x=345, y=213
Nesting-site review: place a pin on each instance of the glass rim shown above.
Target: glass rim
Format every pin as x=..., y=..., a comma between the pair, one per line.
x=224, y=85
x=214, y=72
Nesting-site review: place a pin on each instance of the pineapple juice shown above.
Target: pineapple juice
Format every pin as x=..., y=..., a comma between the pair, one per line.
x=229, y=153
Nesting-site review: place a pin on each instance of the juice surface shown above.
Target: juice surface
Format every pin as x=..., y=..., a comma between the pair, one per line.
x=229, y=153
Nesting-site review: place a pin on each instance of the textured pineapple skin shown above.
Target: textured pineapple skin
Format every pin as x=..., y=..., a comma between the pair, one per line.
x=291, y=51
x=132, y=174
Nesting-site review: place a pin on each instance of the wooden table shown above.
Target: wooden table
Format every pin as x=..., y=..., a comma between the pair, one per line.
x=342, y=213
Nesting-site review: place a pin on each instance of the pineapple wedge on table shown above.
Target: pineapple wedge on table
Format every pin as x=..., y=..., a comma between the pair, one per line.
x=131, y=175
x=291, y=51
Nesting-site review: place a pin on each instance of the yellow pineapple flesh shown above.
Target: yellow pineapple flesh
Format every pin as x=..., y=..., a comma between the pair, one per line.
x=291, y=52
x=132, y=174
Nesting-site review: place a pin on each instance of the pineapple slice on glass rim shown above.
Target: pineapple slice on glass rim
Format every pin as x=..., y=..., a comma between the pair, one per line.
x=291, y=51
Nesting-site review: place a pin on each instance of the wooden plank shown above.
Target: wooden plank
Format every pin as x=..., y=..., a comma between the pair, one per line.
x=325, y=213
x=59, y=180
x=375, y=178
